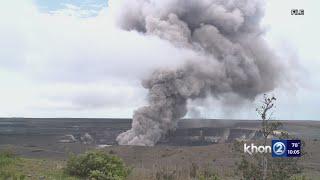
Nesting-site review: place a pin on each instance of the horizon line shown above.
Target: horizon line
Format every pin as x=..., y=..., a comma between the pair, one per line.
x=230, y=119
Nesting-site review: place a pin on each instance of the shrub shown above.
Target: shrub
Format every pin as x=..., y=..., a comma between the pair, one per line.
x=97, y=165
x=207, y=174
x=299, y=177
x=6, y=157
x=11, y=175
x=166, y=174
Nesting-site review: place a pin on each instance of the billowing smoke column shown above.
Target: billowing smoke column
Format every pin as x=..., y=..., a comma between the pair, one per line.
x=232, y=58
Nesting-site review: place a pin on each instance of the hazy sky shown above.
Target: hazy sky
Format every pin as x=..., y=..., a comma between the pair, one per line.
x=67, y=59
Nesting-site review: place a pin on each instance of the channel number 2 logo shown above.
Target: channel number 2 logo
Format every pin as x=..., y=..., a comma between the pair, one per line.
x=279, y=148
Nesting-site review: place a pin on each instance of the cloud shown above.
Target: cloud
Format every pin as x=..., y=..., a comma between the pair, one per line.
x=60, y=64
x=63, y=46
x=63, y=54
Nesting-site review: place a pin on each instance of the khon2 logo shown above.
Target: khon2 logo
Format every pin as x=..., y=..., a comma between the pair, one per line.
x=279, y=148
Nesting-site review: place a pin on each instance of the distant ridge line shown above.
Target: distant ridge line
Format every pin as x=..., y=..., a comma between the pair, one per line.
x=129, y=119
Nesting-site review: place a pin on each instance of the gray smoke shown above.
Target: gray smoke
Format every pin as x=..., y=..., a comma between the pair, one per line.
x=232, y=58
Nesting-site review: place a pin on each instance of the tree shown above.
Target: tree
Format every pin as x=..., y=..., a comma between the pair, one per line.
x=265, y=111
x=257, y=166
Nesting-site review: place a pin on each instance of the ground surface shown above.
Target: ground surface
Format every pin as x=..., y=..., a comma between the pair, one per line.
x=147, y=161
x=219, y=157
x=41, y=155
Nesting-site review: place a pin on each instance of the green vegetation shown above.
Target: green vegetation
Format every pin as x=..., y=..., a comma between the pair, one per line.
x=299, y=177
x=194, y=172
x=93, y=165
x=250, y=167
x=6, y=158
x=263, y=166
x=15, y=168
x=97, y=165
x=205, y=173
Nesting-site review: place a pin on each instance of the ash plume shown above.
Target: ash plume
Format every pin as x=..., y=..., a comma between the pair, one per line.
x=232, y=57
